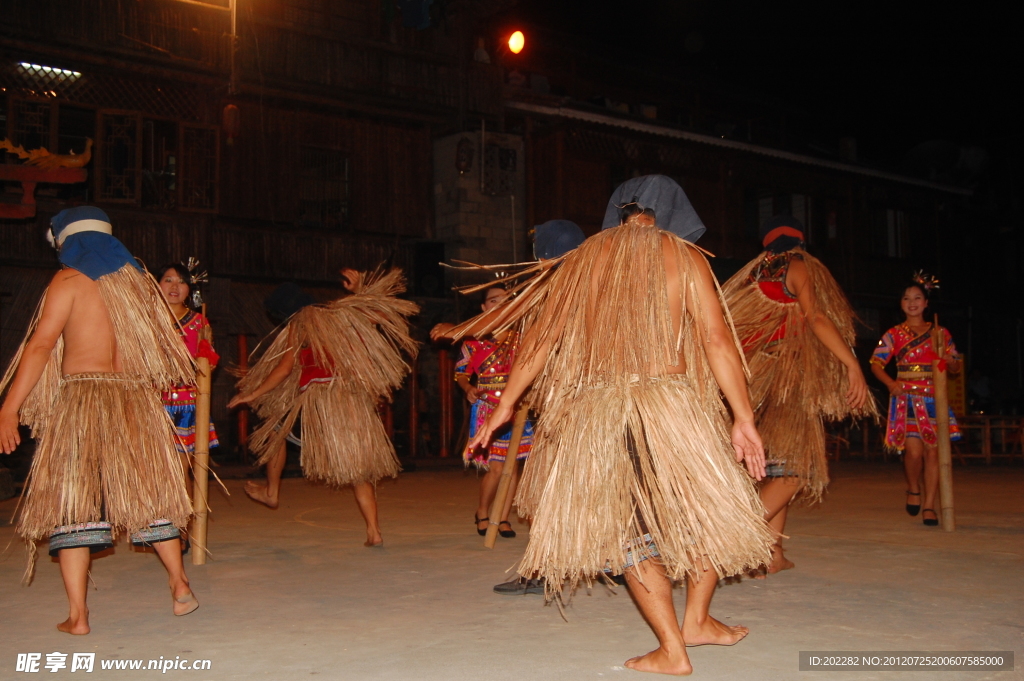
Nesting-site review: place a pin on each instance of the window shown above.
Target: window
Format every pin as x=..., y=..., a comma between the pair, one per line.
x=149, y=162
x=197, y=171
x=75, y=126
x=889, y=233
x=896, y=233
x=765, y=210
x=323, y=188
x=76, y=133
x=802, y=208
x=499, y=170
x=117, y=171
x=32, y=124
x=759, y=205
x=159, y=163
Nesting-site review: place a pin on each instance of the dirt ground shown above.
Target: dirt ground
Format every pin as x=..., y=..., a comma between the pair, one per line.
x=293, y=594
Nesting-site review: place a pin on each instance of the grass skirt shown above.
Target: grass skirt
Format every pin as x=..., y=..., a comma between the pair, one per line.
x=363, y=338
x=592, y=491
x=107, y=453
x=795, y=380
x=343, y=439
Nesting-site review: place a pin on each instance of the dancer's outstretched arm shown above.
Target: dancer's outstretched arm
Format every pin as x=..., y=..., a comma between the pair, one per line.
x=276, y=378
x=726, y=365
x=798, y=281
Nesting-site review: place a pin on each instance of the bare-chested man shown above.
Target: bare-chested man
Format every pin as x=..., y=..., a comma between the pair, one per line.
x=105, y=459
x=632, y=471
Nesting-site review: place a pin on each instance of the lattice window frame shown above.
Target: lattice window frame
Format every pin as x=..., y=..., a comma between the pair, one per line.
x=101, y=90
x=102, y=165
x=13, y=114
x=500, y=169
x=186, y=173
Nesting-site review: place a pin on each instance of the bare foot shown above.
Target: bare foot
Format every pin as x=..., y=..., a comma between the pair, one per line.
x=712, y=632
x=779, y=562
x=184, y=600
x=79, y=626
x=258, y=492
x=660, y=662
x=373, y=540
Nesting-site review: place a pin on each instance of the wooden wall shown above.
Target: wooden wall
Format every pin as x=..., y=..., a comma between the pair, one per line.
x=574, y=167
x=389, y=169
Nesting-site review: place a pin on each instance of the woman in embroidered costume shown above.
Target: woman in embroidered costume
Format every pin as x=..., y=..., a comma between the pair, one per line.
x=632, y=468
x=490, y=360
x=176, y=283
x=797, y=332
x=83, y=381
x=332, y=364
x=911, y=422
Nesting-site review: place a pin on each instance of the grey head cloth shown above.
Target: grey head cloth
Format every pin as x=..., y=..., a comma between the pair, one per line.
x=672, y=209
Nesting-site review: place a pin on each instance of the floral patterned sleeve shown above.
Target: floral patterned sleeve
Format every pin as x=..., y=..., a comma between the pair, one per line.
x=883, y=352
x=462, y=366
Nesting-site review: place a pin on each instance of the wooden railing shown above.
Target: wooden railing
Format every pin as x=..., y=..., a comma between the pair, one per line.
x=988, y=437
x=992, y=438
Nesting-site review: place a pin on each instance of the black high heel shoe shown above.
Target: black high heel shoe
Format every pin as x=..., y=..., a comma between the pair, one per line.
x=509, y=533
x=930, y=522
x=477, y=521
x=913, y=509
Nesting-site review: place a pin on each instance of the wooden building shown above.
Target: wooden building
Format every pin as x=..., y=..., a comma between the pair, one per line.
x=279, y=141
x=282, y=139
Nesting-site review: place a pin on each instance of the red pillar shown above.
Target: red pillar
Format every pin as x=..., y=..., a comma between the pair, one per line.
x=445, y=393
x=414, y=412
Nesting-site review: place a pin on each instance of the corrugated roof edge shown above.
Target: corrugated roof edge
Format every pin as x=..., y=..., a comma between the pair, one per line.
x=664, y=131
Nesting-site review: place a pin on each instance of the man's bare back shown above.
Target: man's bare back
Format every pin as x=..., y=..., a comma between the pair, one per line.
x=89, y=344
x=75, y=310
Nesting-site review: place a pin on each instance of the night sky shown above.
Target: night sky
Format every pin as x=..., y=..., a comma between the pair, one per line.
x=893, y=75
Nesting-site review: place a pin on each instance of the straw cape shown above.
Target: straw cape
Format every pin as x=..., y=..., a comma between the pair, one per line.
x=796, y=382
x=624, y=447
x=363, y=338
x=106, y=446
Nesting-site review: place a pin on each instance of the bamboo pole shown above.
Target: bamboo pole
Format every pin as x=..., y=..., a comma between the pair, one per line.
x=942, y=428
x=507, y=474
x=243, y=411
x=201, y=459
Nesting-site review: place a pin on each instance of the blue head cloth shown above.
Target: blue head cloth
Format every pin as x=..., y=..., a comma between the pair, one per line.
x=555, y=238
x=663, y=195
x=82, y=236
